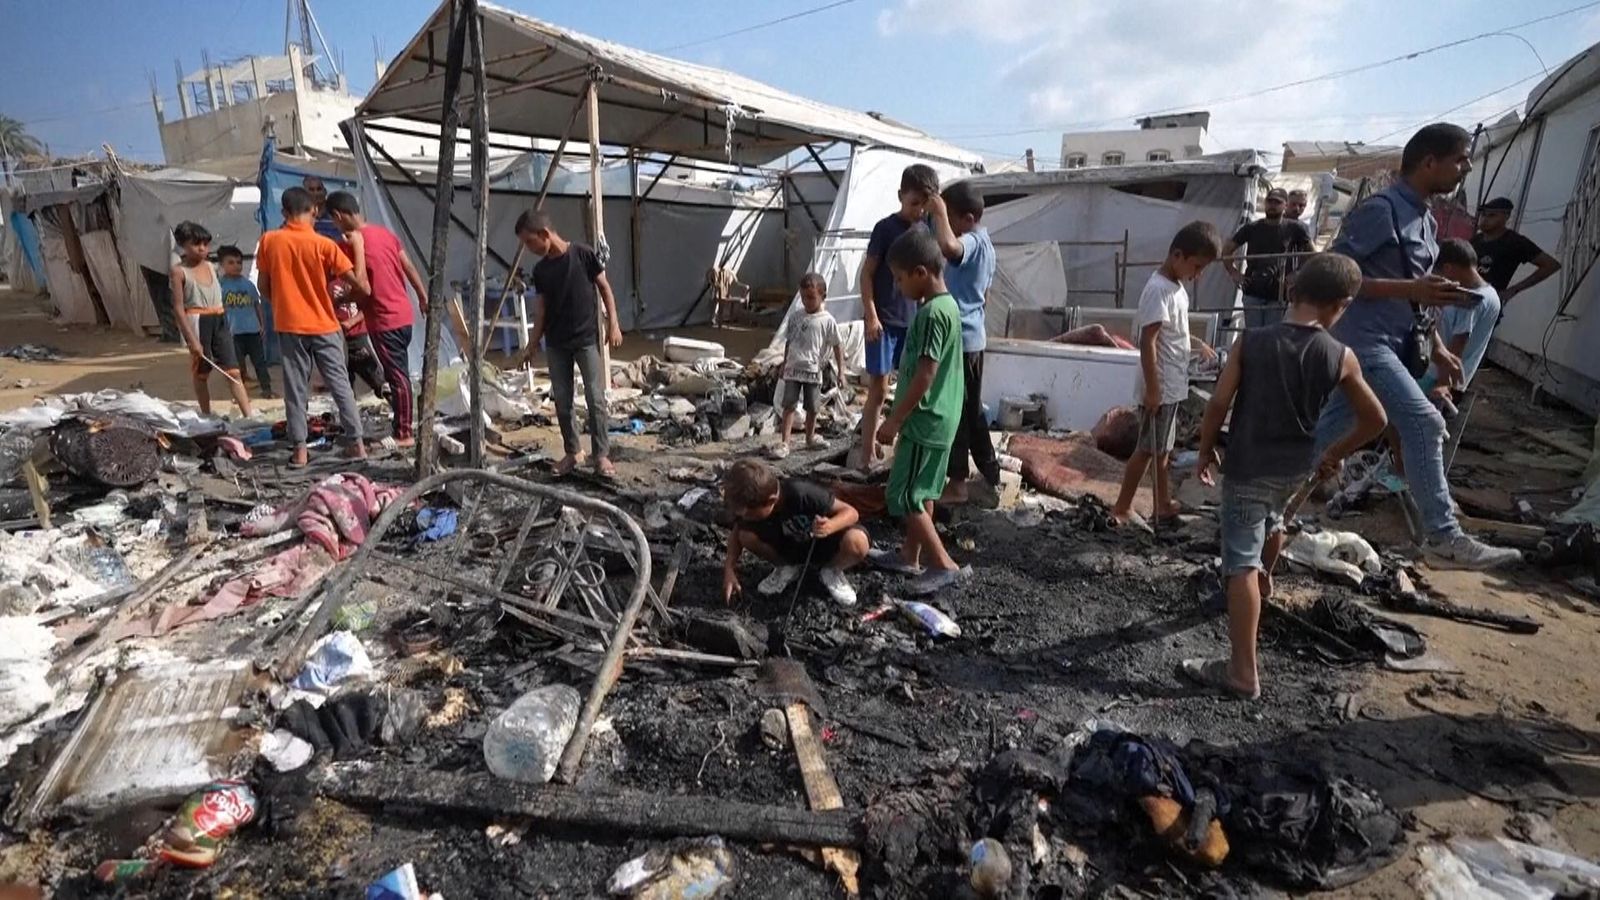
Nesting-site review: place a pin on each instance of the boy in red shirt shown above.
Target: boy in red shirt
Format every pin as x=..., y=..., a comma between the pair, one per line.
x=387, y=308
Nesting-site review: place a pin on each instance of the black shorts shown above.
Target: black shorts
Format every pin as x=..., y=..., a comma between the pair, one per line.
x=216, y=342
x=793, y=552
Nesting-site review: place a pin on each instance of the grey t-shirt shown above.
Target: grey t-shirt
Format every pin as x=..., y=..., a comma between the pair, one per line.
x=811, y=337
x=1287, y=371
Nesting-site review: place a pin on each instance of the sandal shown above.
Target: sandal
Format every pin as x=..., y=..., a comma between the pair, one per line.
x=1213, y=674
x=565, y=465
x=605, y=468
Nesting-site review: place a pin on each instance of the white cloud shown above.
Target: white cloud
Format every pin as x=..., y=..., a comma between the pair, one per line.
x=1081, y=65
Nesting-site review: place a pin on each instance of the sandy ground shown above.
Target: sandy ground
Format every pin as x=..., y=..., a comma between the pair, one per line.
x=1501, y=675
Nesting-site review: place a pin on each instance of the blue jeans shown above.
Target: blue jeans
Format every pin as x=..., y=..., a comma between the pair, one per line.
x=1259, y=311
x=1421, y=428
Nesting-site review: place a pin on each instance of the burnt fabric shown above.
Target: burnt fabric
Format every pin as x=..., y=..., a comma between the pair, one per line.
x=1296, y=823
x=1377, y=637
x=1288, y=821
x=346, y=725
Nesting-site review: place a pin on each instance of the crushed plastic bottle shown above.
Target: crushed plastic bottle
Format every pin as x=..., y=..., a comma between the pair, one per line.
x=937, y=623
x=524, y=743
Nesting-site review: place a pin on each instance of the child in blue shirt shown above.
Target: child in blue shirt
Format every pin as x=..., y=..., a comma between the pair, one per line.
x=242, y=303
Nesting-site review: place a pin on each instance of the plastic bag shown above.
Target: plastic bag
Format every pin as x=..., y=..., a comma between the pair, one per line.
x=337, y=658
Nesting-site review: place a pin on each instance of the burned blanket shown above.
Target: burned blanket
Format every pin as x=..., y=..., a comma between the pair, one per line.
x=1286, y=820
x=334, y=515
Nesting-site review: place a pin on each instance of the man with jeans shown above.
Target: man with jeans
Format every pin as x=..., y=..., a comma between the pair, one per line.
x=1394, y=239
x=1268, y=239
x=567, y=278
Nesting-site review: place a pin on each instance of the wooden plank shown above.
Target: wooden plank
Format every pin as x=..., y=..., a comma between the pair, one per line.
x=1510, y=532
x=38, y=490
x=1556, y=442
x=822, y=792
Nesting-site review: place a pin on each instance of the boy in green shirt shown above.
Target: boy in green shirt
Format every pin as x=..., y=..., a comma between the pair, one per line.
x=926, y=413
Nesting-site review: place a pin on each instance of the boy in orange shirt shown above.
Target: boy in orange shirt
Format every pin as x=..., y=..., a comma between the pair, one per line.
x=294, y=266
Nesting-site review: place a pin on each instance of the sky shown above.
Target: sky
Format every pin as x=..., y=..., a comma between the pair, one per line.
x=1013, y=76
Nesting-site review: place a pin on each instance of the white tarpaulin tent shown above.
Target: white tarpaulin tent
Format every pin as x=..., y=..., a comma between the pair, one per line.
x=1073, y=207
x=655, y=114
x=647, y=101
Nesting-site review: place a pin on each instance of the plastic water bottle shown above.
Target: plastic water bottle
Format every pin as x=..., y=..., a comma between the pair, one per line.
x=524, y=743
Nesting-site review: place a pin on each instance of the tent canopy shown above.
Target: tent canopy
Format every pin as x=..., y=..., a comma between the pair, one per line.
x=538, y=71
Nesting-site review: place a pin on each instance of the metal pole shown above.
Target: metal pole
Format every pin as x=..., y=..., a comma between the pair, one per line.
x=597, y=219
x=480, y=202
x=444, y=193
x=634, y=234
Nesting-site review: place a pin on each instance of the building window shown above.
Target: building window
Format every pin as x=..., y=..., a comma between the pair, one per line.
x=1076, y=161
x=1111, y=158
x=1158, y=156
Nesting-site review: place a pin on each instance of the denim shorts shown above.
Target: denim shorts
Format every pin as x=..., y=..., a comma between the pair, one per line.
x=883, y=354
x=1252, y=511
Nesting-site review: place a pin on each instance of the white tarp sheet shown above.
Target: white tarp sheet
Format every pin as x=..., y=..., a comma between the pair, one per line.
x=152, y=205
x=723, y=114
x=1101, y=210
x=1027, y=276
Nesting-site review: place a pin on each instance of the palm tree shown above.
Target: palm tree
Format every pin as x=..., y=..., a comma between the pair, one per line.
x=16, y=142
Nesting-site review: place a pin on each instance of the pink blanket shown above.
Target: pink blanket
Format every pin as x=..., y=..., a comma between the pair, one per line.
x=334, y=517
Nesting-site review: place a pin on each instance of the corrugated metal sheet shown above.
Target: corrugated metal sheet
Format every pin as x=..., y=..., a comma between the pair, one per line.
x=154, y=733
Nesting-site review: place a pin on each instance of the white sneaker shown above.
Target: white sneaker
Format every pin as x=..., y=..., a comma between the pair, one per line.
x=838, y=586
x=1463, y=552
x=780, y=451
x=781, y=577
x=817, y=442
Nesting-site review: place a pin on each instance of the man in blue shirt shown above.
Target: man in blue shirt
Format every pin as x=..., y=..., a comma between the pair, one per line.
x=1394, y=239
x=968, y=271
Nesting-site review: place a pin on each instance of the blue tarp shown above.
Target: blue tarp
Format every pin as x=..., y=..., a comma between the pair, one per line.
x=28, y=239
x=275, y=176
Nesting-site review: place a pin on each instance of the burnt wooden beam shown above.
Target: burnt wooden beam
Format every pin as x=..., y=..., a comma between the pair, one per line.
x=630, y=812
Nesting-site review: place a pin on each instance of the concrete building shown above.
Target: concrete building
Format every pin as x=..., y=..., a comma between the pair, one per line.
x=1157, y=139
x=1344, y=158
x=225, y=109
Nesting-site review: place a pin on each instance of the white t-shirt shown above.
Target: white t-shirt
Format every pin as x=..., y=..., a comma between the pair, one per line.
x=1165, y=301
x=811, y=337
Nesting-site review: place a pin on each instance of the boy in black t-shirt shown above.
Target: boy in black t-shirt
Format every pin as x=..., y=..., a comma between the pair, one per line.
x=788, y=521
x=567, y=278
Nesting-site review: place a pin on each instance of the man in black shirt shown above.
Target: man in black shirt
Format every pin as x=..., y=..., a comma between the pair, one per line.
x=567, y=278
x=1501, y=252
x=1262, y=280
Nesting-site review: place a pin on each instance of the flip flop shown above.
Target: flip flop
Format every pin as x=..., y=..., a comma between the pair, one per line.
x=605, y=469
x=890, y=561
x=932, y=581
x=1213, y=674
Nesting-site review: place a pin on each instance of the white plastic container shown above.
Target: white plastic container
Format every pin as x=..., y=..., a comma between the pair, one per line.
x=524, y=743
x=687, y=350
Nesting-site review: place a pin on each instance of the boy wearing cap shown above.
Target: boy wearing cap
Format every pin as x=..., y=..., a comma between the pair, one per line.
x=1502, y=251
x=1268, y=239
